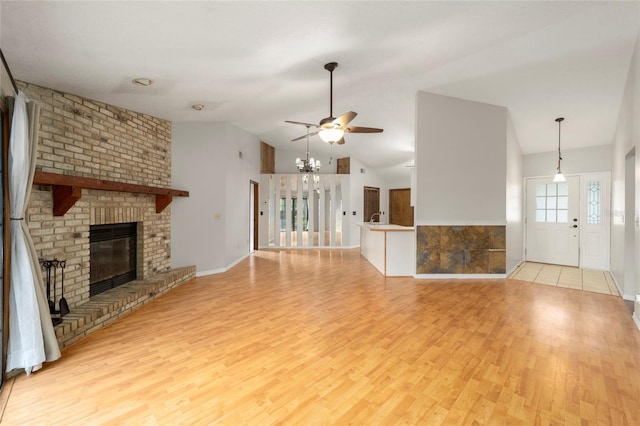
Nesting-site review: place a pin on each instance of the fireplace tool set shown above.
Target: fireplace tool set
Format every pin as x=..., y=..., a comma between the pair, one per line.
x=51, y=270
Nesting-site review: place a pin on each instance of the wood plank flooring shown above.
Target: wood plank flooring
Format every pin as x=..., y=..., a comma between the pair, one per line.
x=320, y=337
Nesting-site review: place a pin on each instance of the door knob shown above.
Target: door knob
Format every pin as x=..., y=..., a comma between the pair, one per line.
x=574, y=226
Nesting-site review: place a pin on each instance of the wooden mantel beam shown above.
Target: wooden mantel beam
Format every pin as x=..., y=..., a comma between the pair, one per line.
x=67, y=190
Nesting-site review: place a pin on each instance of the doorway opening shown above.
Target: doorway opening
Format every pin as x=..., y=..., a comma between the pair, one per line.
x=629, y=286
x=254, y=196
x=371, y=204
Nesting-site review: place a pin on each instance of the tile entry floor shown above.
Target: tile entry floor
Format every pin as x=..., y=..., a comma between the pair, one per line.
x=566, y=276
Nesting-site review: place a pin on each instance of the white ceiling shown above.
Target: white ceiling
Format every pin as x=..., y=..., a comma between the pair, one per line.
x=256, y=64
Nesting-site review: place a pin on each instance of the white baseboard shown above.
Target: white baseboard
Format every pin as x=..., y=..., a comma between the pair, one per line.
x=514, y=268
x=615, y=281
x=636, y=319
x=458, y=276
x=308, y=248
x=221, y=270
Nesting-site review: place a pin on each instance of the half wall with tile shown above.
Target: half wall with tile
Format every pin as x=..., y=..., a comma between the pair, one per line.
x=460, y=249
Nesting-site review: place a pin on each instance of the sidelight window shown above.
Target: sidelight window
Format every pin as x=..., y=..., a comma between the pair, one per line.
x=593, y=203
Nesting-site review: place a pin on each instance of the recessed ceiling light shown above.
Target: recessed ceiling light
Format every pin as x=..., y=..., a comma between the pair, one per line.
x=197, y=107
x=142, y=82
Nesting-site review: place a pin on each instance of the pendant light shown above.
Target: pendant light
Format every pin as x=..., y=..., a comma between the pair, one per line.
x=308, y=165
x=559, y=177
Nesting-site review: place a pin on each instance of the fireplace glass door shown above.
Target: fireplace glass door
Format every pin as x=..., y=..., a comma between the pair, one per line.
x=113, y=256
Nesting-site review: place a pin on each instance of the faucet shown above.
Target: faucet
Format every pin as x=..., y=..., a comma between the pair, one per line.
x=372, y=216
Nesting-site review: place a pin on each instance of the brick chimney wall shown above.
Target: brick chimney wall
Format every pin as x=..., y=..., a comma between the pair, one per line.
x=83, y=137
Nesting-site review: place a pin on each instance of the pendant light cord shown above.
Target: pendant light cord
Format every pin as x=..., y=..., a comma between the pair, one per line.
x=559, y=120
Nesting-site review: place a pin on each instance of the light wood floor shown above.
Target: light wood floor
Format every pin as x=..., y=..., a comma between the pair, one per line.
x=316, y=238
x=566, y=276
x=320, y=337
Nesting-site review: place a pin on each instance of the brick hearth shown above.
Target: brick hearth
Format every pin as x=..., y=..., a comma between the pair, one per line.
x=115, y=303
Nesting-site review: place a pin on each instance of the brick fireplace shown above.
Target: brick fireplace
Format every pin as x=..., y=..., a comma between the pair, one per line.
x=87, y=138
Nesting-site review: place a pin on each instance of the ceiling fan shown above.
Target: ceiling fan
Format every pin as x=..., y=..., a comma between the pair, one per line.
x=332, y=129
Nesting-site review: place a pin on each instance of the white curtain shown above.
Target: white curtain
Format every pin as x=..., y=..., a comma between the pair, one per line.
x=32, y=339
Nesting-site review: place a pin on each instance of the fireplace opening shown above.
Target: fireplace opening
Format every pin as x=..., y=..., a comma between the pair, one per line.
x=113, y=256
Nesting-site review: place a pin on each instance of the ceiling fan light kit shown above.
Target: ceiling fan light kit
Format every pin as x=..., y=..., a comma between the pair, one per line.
x=331, y=135
x=332, y=129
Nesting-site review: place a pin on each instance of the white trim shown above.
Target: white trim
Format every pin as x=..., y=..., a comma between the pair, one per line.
x=514, y=268
x=308, y=247
x=221, y=270
x=636, y=319
x=461, y=223
x=629, y=297
x=458, y=276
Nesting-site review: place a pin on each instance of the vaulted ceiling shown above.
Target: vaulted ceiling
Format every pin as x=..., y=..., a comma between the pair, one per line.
x=256, y=64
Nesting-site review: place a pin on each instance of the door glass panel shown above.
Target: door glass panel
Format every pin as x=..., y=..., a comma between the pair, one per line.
x=551, y=215
x=551, y=189
x=563, y=189
x=593, y=203
x=563, y=203
x=552, y=201
x=563, y=216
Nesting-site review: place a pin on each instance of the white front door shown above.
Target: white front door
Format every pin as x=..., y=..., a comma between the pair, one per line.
x=553, y=234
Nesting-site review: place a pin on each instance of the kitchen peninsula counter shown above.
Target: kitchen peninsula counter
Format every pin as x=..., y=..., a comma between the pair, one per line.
x=390, y=248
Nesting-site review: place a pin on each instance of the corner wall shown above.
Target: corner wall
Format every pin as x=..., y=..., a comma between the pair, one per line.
x=211, y=226
x=461, y=184
x=626, y=272
x=515, y=200
x=357, y=182
x=461, y=160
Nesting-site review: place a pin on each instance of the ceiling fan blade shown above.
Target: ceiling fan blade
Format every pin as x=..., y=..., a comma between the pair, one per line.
x=341, y=141
x=304, y=136
x=357, y=129
x=345, y=118
x=301, y=123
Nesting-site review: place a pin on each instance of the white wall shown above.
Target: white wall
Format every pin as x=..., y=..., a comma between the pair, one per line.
x=515, y=199
x=461, y=158
x=627, y=136
x=238, y=174
x=357, y=182
x=583, y=160
x=211, y=227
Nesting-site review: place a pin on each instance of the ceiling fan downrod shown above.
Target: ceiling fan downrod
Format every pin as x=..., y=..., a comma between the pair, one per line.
x=330, y=67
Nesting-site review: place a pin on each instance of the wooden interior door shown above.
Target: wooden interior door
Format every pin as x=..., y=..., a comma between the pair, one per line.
x=371, y=203
x=400, y=209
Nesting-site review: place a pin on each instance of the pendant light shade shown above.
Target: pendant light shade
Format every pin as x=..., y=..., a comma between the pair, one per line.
x=559, y=177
